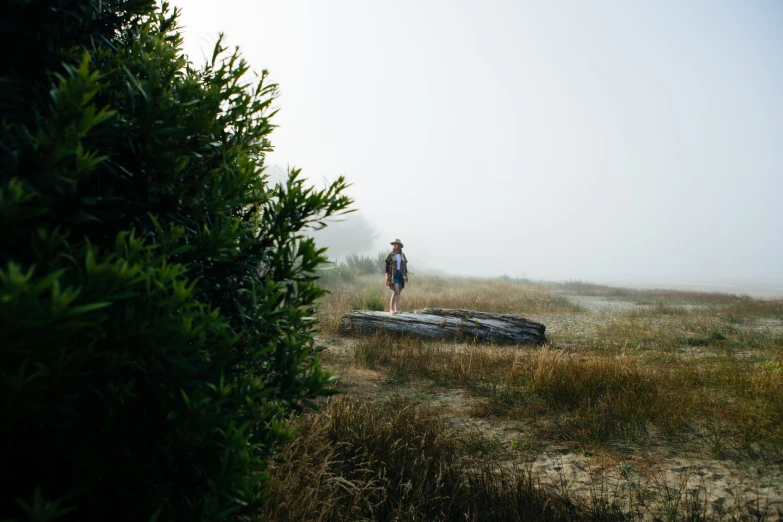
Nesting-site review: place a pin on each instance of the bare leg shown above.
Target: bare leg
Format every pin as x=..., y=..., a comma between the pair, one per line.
x=396, y=297
x=394, y=301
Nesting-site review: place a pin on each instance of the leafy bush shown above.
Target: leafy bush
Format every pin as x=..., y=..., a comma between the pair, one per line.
x=336, y=273
x=364, y=264
x=354, y=266
x=155, y=292
x=515, y=280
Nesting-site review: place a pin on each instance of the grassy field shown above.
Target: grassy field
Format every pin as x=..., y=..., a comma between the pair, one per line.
x=644, y=405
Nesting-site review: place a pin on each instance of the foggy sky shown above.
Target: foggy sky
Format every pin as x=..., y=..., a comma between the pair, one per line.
x=606, y=140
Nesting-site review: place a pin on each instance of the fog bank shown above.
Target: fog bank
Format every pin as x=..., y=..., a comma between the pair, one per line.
x=608, y=141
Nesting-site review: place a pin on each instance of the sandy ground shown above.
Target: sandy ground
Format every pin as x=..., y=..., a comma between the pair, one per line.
x=603, y=305
x=643, y=480
x=646, y=480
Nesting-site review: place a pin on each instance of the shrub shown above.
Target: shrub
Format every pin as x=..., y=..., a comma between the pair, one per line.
x=364, y=264
x=155, y=293
x=391, y=460
x=373, y=302
x=355, y=265
x=336, y=273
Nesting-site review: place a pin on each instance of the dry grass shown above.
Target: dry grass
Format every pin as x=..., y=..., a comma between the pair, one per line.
x=653, y=296
x=391, y=459
x=484, y=295
x=678, y=331
x=597, y=399
x=395, y=461
x=663, y=368
x=687, y=372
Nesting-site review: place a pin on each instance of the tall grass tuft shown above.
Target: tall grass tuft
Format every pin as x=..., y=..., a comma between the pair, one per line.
x=393, y=461
x=373, y=301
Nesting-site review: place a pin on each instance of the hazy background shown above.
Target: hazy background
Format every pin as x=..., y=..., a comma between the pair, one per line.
x=615, y=141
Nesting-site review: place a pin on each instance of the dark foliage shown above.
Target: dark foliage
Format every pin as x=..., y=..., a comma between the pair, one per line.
x=155, y=292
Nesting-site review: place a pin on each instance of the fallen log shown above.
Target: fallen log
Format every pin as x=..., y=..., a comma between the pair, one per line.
x=437, y=323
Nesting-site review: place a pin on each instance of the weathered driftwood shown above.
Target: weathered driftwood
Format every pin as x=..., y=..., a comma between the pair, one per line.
x=437, y=323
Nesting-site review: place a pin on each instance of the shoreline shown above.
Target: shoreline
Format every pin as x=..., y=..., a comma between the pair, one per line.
x=774, y=291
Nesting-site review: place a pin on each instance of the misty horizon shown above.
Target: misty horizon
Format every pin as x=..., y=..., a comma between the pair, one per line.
x=606, y=143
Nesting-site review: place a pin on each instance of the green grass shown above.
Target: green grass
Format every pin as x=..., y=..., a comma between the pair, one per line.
x=370, y=301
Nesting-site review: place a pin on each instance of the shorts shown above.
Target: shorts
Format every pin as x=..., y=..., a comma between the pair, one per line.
x=399, y=280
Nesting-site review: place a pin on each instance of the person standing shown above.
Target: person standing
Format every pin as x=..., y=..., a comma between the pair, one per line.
x=396, y=274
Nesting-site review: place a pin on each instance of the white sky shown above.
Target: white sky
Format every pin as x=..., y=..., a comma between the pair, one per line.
x=602, y=140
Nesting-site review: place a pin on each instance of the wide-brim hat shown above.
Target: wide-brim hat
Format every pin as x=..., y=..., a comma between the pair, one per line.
x=397, y=241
